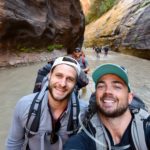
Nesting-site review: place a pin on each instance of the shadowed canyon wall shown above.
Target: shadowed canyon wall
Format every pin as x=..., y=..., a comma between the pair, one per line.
x=39, y=23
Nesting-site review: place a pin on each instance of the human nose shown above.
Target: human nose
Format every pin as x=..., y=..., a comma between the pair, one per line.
x=63, y=82
x=108, y=89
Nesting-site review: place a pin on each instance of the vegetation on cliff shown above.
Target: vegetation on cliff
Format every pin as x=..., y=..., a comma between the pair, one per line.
x=98, y=8
x=125, y=27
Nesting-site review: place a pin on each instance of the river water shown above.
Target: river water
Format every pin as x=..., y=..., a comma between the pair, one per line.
x=17, y=82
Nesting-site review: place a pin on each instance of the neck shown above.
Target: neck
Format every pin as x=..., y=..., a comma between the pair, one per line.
x=57, y=107
x=117, y=126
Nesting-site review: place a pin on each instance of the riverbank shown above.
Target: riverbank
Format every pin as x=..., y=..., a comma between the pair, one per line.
x=19, y=59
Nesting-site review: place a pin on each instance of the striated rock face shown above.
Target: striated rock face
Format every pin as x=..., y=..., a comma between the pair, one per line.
x=39, y=23
x=126, y=28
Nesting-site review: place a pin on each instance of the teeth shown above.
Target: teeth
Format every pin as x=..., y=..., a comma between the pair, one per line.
x=108, y=101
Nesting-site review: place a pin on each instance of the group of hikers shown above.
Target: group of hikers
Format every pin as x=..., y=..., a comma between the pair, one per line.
x=54, y=118
x=98, y=50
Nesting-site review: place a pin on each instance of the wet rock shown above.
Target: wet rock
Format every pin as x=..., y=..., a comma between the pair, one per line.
x=40, y=23
x=14, y=60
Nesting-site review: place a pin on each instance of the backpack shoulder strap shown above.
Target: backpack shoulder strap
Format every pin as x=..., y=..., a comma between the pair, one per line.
x=33, y=121
x=137, y=130
x=83, y=60
x=33, y=117
x=73, y=123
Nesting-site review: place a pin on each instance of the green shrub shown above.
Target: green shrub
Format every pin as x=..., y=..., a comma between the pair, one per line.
x=25, y=49
x=98, y=8
x=52, y=47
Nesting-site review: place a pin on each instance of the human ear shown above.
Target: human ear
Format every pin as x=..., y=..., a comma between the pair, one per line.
x=130, y=97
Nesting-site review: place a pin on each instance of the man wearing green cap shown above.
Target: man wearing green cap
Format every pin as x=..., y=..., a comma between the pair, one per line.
x=109, y=123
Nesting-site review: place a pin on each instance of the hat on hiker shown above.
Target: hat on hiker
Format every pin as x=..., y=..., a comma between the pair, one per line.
x=69, y=61
x=111, y=69
x=77, y=49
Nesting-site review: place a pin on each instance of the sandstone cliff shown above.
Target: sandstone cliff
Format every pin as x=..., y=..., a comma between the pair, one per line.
x=39, y=23
x=85, y=6
x=126, y=28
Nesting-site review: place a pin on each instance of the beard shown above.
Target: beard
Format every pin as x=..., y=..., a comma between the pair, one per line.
x=120, y=110
x=56, y=98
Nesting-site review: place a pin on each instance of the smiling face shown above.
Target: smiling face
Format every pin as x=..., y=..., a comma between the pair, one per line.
x=112, y=96
x=62, y=80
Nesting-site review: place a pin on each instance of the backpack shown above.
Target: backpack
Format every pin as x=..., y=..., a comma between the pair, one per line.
x=138, y=132
x=138, y=103
x=33, y=120
x=42, y=72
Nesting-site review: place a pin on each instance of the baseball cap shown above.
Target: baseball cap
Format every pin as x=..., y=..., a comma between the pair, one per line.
x=109, y=68
x=77, y=49
x=68, y=61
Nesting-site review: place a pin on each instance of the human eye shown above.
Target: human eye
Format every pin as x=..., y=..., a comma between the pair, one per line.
x=118, y=86
x=100, y=85
x=71, y=79
x=58, y=75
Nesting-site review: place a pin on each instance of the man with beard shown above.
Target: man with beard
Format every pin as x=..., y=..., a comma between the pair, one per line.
x=109, y=123
x=58, y=113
